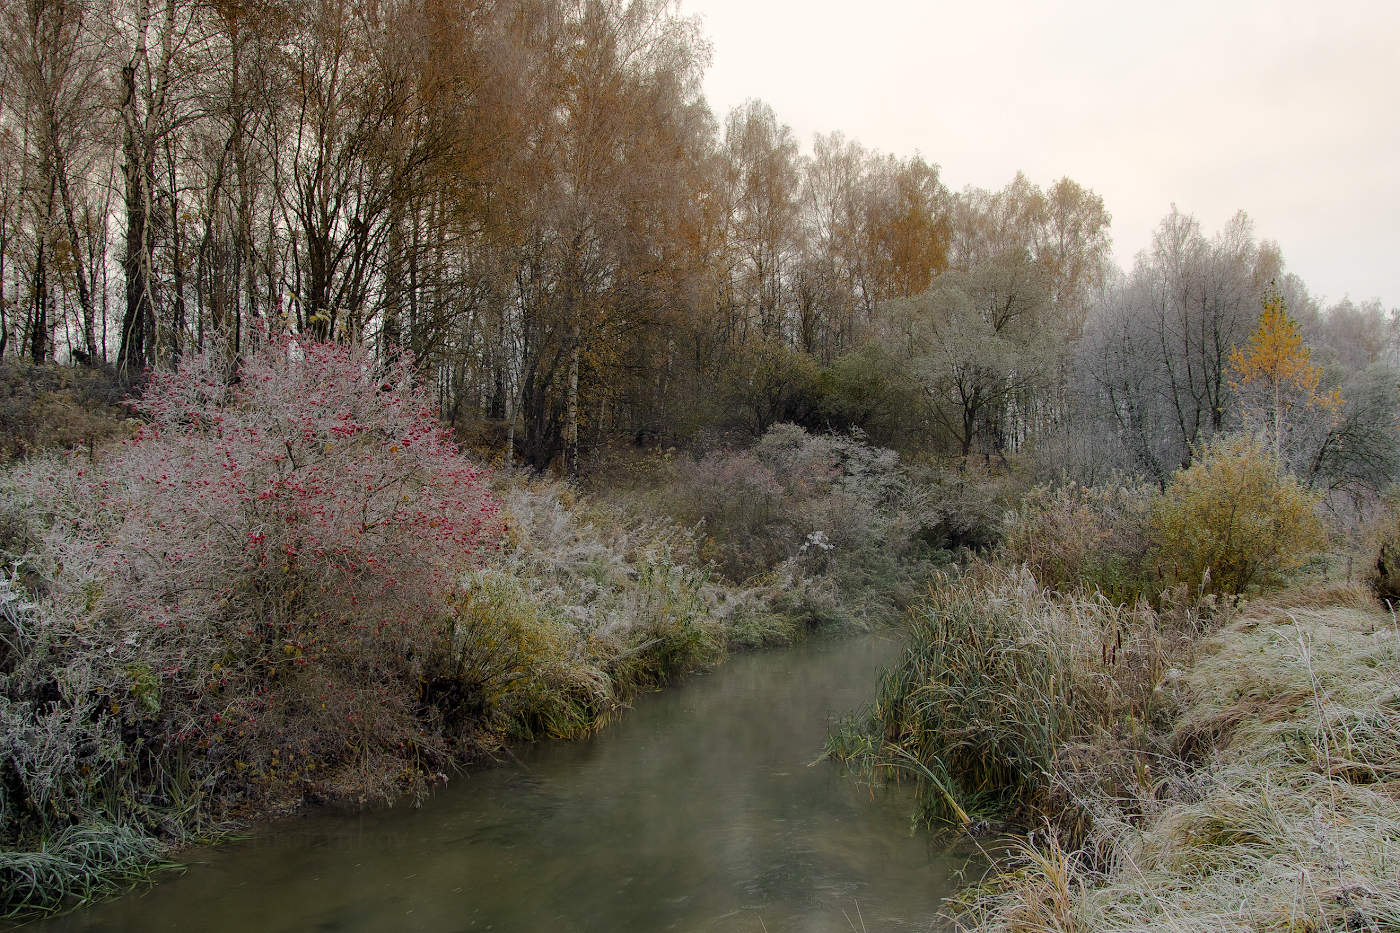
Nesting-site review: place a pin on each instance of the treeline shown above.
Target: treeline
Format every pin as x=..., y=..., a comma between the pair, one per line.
x=533, y=200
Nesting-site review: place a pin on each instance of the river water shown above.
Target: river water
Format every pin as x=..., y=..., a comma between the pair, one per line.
x=699, y=810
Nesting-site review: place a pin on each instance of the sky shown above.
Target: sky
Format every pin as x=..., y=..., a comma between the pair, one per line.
x=1287, y=110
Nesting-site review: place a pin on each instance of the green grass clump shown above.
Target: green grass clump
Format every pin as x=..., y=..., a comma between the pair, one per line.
x=1010, y=697
x=79, y=864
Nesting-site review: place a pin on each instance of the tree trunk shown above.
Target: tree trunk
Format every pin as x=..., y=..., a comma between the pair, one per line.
x=38, y=318
x=571, y=410
x=80, y=270
x=136, y=322
x=510, y=428
x=177, y=317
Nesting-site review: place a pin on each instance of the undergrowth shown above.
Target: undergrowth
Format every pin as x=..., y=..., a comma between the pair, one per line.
x=1171, y=760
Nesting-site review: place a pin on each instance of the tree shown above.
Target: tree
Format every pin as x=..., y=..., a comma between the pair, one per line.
x=1064, y=230
x=1356, y=336
x=1157, y=343
x=764, y=190
x=976, y=343
x=905, y=229
x=150, y=85
x=1073, y=247
x=1272, y=372
x=55, y=58
x=1357, y=450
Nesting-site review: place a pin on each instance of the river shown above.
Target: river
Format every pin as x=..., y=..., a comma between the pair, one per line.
x=699, y=810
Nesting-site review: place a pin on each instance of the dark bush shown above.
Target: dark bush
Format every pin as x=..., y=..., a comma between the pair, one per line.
x=957, y=508
x=1384, y=549
x=43, y=407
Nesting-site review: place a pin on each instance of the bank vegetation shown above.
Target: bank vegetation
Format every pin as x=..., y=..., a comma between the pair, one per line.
x=1174, y=702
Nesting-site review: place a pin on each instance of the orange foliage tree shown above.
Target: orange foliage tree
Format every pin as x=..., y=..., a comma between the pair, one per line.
x=1274, y=374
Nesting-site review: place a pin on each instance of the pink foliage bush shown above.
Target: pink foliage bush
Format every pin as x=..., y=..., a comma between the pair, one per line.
x=272, y=561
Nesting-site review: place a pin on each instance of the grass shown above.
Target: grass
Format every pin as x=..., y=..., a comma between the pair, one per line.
x=1011, y=699
x=77, y=865
x=1278, y=809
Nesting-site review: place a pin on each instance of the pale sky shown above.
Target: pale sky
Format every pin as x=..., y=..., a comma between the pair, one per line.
x=1288, y=110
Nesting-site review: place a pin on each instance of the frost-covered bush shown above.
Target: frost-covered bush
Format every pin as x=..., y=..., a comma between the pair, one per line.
x=256, y=580
x=829, y=523
x=792, y=496
x=741, y=502
x=957, y=509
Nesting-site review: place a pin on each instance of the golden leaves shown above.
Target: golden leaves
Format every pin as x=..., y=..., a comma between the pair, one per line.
x=1276, y=358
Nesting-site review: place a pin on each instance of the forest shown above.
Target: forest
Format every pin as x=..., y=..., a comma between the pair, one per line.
x=534, y=202
x=386, y=381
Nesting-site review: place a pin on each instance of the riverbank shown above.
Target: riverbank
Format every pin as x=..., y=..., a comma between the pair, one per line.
x=581, y=607
x=1196, y=767
x=1274, y=806
x=697, y=810
x=295, y=588
x=1159, y=691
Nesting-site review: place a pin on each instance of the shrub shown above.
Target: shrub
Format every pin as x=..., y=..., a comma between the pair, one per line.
x=49, y=406
x=1236, y=516
x=865, y=391
x=769, y=382
x=957, y=509
x=831, y=520
x=669, y=630
x=740, y=501
x=792, y=495
x=499, y=660
x=1075, y=537
x=255, y=581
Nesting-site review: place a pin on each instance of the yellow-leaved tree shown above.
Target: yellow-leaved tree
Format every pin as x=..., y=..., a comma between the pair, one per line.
x=1274, y=375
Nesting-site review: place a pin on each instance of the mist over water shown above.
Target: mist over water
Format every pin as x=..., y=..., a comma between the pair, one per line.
x=699, y=810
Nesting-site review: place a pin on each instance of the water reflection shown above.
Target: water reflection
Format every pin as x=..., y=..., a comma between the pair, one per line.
x=698, y=811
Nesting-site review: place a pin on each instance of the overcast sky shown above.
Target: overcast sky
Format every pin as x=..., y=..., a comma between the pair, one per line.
x=1287, y=110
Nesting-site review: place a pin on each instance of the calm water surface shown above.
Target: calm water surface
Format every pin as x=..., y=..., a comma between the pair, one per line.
x=696, y=811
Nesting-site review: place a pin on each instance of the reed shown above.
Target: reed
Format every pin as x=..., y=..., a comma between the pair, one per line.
x=1010, y=697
